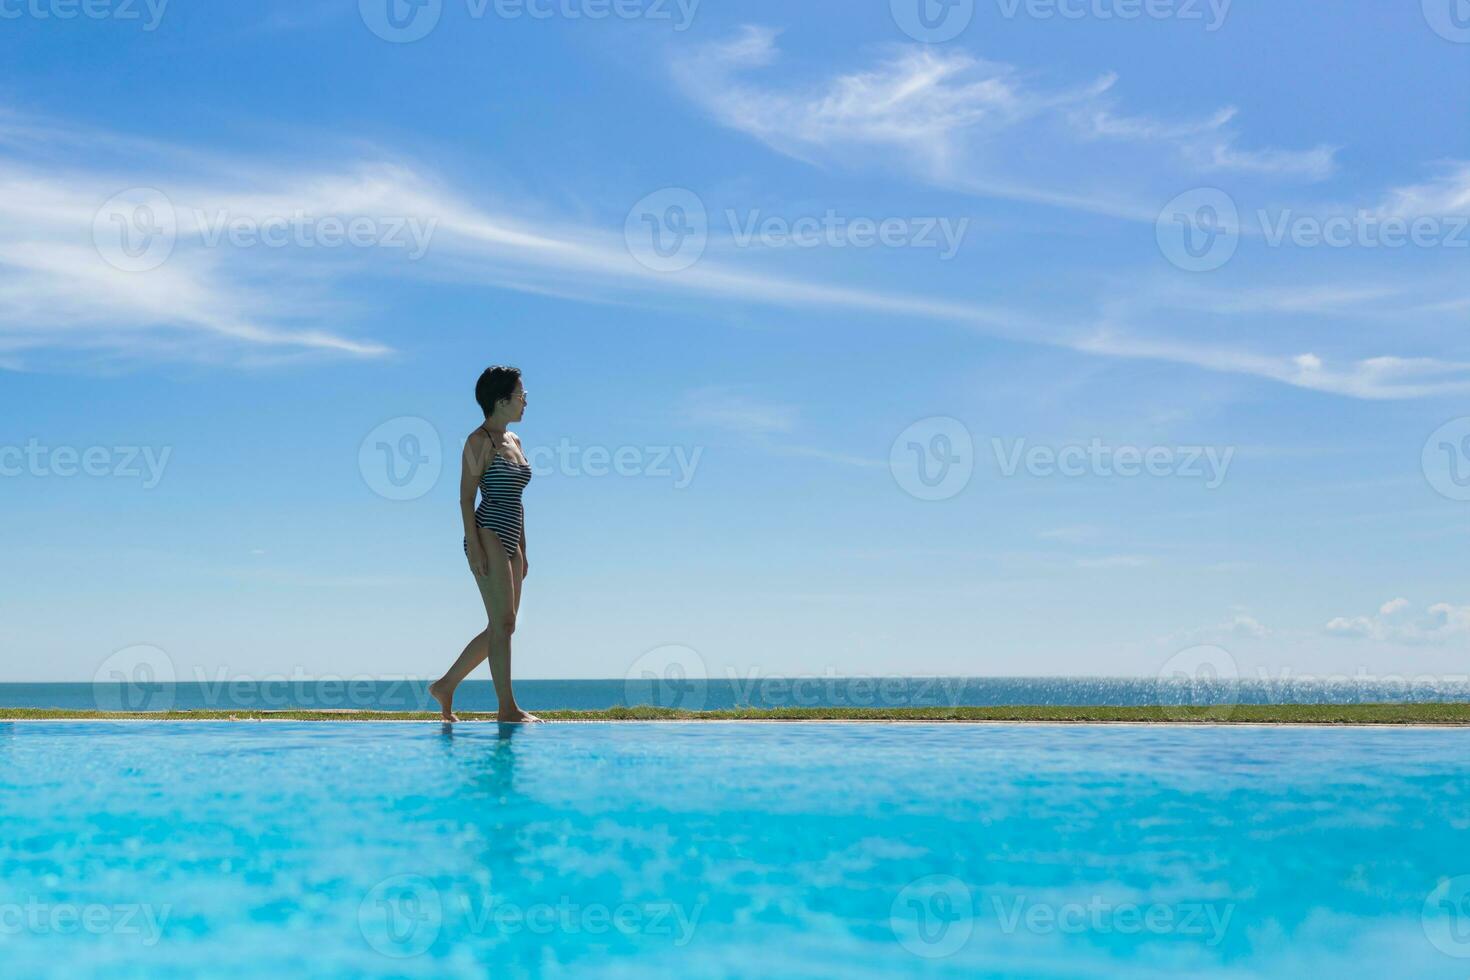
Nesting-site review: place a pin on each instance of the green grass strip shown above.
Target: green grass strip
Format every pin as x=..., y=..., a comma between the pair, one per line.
x=1283, y=714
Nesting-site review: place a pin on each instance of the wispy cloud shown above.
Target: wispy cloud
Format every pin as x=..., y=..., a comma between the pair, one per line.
x=763, y=423
x=1115, y=561
x=980, y=126
x=1241, y=626
x=1447, y=194
x=728, y=408
x=214, y=300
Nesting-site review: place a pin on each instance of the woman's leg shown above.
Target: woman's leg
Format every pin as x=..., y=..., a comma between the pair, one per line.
x=500, y=592
x=443, y=689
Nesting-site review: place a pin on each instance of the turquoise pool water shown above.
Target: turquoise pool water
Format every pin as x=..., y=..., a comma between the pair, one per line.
x=131, y=849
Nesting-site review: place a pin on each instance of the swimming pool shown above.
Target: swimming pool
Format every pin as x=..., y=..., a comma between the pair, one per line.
x=713, y=849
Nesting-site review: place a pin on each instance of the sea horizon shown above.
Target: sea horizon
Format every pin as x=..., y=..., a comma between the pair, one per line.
x=591, y=694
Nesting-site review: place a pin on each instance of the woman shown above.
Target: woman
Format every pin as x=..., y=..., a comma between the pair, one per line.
x=495, y=537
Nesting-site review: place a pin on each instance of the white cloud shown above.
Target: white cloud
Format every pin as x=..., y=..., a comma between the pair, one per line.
x=1241, y=626
x=1115, y=561
x=764, y=423
x=1446, y=195
x=1394, y=623
x=728, y=408
x=261, y=305
x=978, y=126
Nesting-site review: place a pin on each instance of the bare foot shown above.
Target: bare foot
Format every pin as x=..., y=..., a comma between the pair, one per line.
x=515, y=717
x=445, y=697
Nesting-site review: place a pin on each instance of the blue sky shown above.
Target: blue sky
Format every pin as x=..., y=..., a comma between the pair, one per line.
x=501, y=173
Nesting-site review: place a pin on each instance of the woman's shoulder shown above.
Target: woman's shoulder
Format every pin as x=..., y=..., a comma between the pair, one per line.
x=478, y=443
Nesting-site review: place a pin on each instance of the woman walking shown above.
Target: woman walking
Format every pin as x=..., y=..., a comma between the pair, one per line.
x=495, y=537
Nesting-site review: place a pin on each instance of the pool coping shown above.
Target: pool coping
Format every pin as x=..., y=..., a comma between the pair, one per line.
x=1447, y=714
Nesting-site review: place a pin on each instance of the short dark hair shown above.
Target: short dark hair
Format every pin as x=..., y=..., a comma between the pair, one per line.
x=496, y=385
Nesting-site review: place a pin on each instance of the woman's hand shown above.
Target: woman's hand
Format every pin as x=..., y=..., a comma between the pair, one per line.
x=479, y=562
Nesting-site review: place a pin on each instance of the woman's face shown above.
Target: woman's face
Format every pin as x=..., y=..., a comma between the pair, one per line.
x=518, y=403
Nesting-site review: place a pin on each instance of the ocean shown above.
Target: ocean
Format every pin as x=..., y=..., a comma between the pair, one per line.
x=716, y=694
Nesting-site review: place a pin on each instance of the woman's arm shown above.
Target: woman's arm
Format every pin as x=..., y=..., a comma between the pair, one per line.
x=471, y=470
x=520, y=449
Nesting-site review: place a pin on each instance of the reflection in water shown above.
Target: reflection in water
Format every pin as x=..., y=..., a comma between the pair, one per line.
x=490, y=766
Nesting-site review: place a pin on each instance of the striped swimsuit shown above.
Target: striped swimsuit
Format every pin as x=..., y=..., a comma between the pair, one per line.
x=500, y=502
